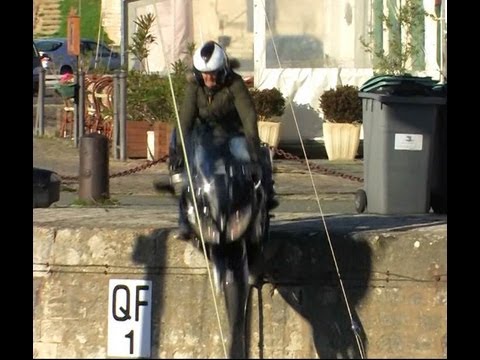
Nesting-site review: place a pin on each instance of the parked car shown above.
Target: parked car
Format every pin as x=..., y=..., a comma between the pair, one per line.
x=57, y=60
x=37, y=65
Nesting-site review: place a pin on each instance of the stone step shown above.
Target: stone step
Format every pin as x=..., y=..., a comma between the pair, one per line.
x=50, y=22
x=47, y=2
x=45, y=13
x=52, y=13
x=49, y=7
x=45, y=33
x=47, y=24
x=47, y=30
x=48, y=17
x=48, y=12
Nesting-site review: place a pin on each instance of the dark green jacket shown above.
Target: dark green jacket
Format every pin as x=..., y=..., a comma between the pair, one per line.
x=229, y=109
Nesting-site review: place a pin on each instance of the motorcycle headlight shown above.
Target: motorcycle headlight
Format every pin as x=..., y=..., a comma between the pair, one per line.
x=209, y=228
x=216, y=219
x=238, y=222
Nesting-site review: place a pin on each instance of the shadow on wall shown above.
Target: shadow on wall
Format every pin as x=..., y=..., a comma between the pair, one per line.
x=150, y=251
x=309, y=123
x=300, y=266
x=304, y=276
x=302, y=270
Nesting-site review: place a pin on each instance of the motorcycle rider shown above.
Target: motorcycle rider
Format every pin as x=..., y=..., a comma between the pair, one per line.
x=216, y=98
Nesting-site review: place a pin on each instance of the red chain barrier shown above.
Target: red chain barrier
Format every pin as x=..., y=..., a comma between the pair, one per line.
x=125, y=172
x=316, y=167
x=279, y=152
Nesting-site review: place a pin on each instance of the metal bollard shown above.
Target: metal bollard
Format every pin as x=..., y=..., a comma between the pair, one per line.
x=81, y=103
x=122, y=114
x=93, y=179
x=40, y=124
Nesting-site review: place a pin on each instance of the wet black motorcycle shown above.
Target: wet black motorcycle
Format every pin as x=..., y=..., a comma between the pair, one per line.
x=234, y=220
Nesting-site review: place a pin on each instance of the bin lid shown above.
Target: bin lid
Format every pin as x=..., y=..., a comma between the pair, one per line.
x=399, y=85
x=394, y=99
x=440, y=89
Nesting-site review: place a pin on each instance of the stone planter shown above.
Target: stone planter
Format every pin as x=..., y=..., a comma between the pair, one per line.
x=269, y=132
x=341, y=140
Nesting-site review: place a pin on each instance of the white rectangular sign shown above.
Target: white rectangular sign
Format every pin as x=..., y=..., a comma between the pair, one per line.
x=129, y=318
x=408, y=142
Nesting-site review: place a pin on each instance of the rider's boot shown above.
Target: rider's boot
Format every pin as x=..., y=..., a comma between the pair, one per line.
x=255, y=267
x=218, y=268
x=272, y=201
x=267, y=176
x=176, y=181
x=175, y=166
x=185, y=231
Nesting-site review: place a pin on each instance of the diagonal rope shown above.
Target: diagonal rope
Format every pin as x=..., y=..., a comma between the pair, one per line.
x=98, y=37
x=190, y=182
x=354, y=326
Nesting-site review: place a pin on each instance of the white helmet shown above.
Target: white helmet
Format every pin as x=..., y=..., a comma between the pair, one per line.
x=210, y=58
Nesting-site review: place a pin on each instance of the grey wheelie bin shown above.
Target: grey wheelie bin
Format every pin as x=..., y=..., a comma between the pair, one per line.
x=399, y=120
x=438, y=189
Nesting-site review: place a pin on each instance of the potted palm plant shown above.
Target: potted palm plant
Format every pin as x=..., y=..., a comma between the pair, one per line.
x=150, y=105
x=270, y=106
x=150, y=108
x=342, y=111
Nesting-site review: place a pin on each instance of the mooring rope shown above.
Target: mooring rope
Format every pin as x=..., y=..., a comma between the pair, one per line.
x=354, y=326
x=190, y=182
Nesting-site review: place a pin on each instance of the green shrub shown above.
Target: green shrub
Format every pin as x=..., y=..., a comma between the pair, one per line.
x=341, y=105
x=149, y=96
x=268, y=103
x=142, y=39
x=405, y=25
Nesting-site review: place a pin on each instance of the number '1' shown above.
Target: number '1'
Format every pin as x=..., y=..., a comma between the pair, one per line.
x=130, y=336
